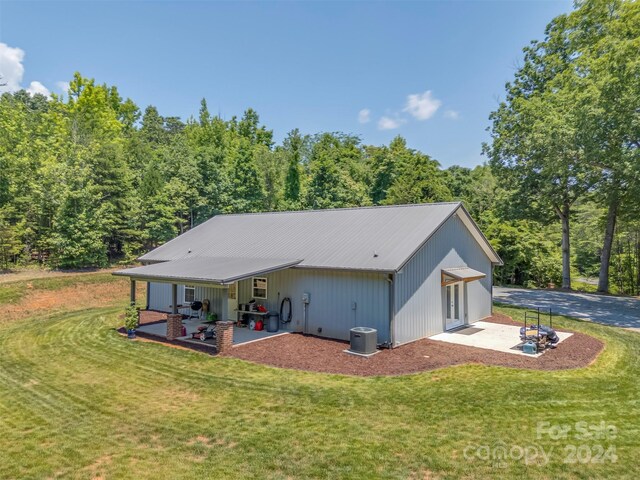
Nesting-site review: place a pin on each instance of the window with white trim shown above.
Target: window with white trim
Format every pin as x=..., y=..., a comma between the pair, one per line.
x=189, y=294
x=259, y=287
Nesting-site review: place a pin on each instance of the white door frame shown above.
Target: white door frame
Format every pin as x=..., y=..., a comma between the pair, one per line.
x=232, y=302
x=454, y=305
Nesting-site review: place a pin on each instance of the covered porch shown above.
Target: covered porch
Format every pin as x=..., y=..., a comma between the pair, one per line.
x=155, y=323
x=211, y=284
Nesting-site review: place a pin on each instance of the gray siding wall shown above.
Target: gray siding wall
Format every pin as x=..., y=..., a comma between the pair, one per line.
x=332, y=296
x=160, y=297
x=419, y=295
x=218, y=298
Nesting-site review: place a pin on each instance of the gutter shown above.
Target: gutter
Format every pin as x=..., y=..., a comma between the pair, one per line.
x=492, y=267
x=297, y=267
x=392, y=308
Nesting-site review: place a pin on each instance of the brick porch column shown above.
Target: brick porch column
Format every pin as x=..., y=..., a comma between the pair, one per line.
x=174, y=326
x=224, y=336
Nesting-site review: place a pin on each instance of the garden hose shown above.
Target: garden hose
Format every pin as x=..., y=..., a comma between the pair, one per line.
x=288, y=319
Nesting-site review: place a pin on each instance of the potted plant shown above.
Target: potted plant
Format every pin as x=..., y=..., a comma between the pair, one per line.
x=212, y=317
x=131, y=317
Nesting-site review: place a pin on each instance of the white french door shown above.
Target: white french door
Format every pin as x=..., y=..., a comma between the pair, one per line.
x=454, y=305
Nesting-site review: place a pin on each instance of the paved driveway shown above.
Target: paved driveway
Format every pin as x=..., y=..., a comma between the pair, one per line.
x=617, y=311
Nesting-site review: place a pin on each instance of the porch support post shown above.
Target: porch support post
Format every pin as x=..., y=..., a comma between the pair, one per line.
x=133, y=292
x=225, y=314
x=224, y=336
x=174, y=298
x=174, y=326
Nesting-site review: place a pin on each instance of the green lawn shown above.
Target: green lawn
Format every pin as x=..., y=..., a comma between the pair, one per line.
x=78, y=400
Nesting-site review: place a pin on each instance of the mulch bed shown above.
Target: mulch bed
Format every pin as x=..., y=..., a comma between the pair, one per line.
x=302, y=352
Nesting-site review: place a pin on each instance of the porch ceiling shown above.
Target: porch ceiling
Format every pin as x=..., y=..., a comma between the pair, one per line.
x=217, y=270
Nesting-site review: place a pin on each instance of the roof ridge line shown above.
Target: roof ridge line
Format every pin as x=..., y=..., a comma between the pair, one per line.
x=366, y=207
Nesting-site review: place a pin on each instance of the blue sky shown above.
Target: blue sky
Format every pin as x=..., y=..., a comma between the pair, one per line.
x=429, y=71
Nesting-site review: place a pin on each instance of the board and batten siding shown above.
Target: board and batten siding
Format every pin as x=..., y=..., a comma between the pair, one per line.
x=419, y=295
x=333, y=295
x=160, y=297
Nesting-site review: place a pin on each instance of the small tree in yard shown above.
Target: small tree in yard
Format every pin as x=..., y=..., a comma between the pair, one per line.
x=131, y=318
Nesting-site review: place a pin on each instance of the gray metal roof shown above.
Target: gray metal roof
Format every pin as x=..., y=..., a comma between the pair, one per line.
x=210, y=269
x=369, y=238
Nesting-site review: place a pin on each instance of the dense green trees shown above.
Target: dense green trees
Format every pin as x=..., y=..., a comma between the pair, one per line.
x=89, y=179
x=568, y=131
x=92, y=180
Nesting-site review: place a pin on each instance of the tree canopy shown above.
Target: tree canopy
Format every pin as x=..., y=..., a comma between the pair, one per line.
x=88, y=179
x=568, y=128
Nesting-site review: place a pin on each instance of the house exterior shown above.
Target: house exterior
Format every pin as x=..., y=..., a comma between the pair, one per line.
x=408, y=271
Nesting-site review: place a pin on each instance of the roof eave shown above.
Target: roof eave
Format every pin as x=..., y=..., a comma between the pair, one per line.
x=499, y=261
x=216, y=281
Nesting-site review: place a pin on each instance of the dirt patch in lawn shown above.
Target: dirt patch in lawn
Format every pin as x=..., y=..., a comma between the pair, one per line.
x=72, y=298
x=151, y=316
x=304, y=352
x=33, y=274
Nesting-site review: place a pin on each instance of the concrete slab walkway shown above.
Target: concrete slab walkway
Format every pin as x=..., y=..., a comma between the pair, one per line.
x=617, y=311
x=490, y=336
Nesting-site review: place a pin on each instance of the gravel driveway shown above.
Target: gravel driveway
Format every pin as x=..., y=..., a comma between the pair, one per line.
x=617, y=311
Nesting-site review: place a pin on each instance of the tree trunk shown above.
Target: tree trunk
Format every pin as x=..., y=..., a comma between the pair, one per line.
x=566, y=246
x=637, y=264
x=605, y=258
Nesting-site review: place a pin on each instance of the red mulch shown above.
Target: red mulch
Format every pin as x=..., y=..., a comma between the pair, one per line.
x=303, y=352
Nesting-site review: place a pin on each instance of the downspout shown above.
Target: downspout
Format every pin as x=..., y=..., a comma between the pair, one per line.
x=148, y=295
x=492, y=267
x=392, y=309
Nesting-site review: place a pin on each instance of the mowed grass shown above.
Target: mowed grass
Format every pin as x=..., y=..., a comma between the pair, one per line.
x=77, y=400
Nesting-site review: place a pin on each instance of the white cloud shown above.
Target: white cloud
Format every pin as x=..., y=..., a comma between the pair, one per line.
x=422, y=106
x=388, y=123
x=12, y=71
x=364, y=115
x=11, y=67
x=36, y=87
x=451, y=115
x=63, y=86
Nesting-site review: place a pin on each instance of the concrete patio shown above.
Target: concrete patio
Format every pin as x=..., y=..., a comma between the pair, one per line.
x=490, y=336
x=240, y=335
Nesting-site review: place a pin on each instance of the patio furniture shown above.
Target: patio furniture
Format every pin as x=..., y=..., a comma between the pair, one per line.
x=241, y=315
x=206, y=305
x=541, y=336
x=184, y=310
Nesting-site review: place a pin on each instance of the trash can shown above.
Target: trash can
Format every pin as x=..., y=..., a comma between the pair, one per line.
x=273, y=322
